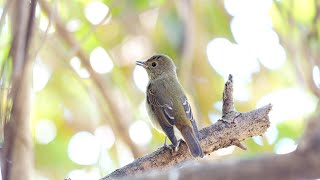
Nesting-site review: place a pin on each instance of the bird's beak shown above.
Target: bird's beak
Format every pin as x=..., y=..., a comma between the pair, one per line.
x=140, y=63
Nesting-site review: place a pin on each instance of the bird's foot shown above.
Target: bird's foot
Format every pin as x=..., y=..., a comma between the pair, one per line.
x=176, y=147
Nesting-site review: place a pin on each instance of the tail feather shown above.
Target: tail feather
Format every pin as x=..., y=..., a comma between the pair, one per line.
x=192, y=141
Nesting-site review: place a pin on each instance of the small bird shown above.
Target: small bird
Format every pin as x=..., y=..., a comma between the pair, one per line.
x=167, y=105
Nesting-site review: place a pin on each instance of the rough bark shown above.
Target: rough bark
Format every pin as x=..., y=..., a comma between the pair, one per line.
x=232, y=128
x=303, y=163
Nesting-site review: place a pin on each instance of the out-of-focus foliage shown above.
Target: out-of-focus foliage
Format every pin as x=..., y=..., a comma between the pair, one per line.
x=271, y=48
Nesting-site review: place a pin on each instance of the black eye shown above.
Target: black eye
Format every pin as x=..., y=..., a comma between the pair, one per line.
x=154, y=64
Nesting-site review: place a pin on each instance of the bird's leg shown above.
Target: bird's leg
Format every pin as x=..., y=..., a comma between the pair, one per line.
x=165, y=142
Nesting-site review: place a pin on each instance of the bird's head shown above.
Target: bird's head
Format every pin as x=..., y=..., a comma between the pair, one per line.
x=158, y=65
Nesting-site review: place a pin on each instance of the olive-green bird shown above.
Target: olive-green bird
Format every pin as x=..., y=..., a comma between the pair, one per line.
x=167, y=104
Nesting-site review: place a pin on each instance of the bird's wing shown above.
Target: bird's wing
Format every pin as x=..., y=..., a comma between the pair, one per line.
x=188, y=111
x=163, y=110
x=157, y=100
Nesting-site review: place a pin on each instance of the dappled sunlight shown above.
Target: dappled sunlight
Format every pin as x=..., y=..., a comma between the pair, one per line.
x=272, y=56
x=96, y=11
x=250, y=8
x=251, y=27
x=241, y=91
x=124, y=154
x=225, y=151
x=258, y=140
x=140, y=78
x=45, y=131
x=43, y=25
x=73, y=25
x=83, y=73
x=140, y=133
x=218, y=105
x=100, y=60
x=135, y=48
x=105, y=137
x=284, y=146
x=41, y=75
x=84, y=148
x=214, y=117
x=229, y=58
x=76, y=65
x=272, y=134
x=288, y=103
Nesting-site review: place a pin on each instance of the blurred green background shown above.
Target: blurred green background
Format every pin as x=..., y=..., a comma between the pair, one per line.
x=88, y=100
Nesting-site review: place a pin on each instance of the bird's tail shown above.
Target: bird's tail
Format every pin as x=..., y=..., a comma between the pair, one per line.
x=192, y=141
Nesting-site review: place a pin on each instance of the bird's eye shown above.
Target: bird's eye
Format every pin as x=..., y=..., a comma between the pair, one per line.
x=154, y=64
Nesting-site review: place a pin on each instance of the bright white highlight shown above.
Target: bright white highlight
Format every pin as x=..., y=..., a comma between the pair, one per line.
x=228, y=58
x=40, y=75
x=73, y=25
x=272, y=134
x=225, y=151
x=283, y=106
x=258, y=140
x=135, y=48
x=284, y=146
x=247, y=7
x=241, y=92
x=272, y=56
x=96, y=11
x=45, y=131
x=105, y=137
x=140, y=133
x=251, y=27
x=218, y=105
x=76, y=65
x=316, y=75
x=100, y=60
x=214, y=117
x=84, y=148
x=43, y=25
x=140, y=78
x=83, y=73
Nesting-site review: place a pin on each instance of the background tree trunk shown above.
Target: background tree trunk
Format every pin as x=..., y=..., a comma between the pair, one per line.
x=17, y=160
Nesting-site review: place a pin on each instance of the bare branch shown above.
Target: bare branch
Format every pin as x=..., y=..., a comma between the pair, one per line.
x=229, y=130
x=303, y=163
x=228, y=106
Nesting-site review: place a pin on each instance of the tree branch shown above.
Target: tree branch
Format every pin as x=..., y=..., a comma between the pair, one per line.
x=232, y=128
x=303, y=163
